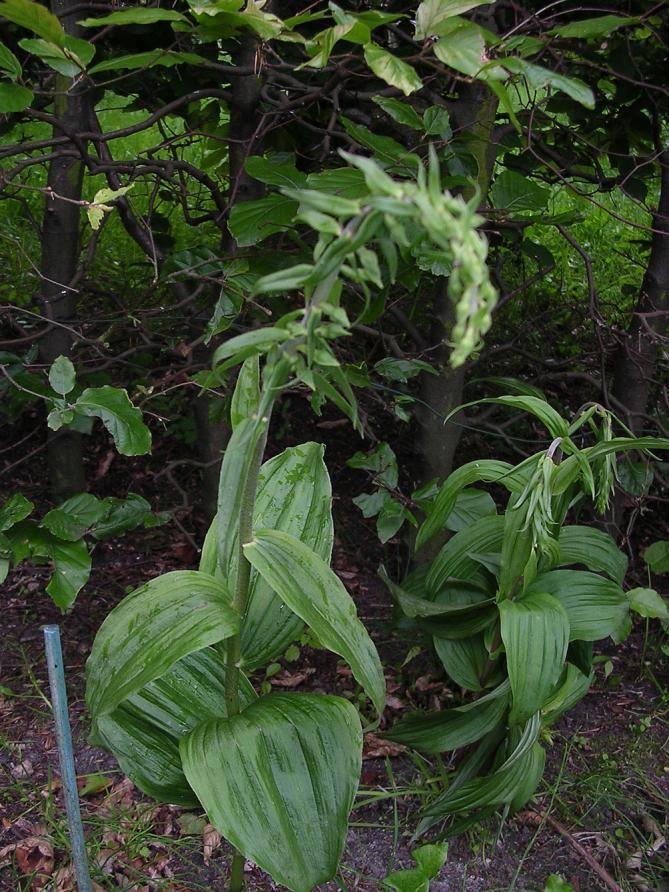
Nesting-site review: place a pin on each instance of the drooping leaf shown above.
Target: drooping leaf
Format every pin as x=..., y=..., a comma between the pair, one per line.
x=144, y=731
x=449, y=729
x=278, y=782
x=593, y=548
x=596, y=607
x=150, y=630
x=543, y=411
x=392, y=70
x=123, y=420
x=62, y=376
x=309, y=588
x=535, y=632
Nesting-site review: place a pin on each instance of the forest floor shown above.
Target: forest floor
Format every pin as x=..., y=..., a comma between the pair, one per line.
x=599, y=820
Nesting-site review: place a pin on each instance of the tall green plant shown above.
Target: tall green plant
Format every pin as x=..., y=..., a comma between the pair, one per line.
x=166, y=680
x=514, y=602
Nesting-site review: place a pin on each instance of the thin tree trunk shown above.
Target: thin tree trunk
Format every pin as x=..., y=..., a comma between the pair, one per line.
x=58, y=266
x=213, y=435
x=474, y=113
x=637, y=357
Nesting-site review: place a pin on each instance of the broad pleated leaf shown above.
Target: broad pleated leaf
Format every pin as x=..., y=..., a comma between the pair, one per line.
x=464, y=659
x=573, y=686
x=488, y=471
x=483, y=536
x=533, y=771
x=449, y=729
x=456, y=598
x=144, y=731
x=309, y=588
x=294, y=495
x=150, y=630
x=470, y=505
x=596, y=607
x=535, y=632
x=498, y=788
x=593, y=548
x=278, y=781
x=516, y=548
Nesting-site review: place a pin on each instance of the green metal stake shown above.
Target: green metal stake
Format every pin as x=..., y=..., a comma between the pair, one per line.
x=68, y=776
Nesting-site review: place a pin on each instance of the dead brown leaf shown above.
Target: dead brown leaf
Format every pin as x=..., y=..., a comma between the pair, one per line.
x=286, y=680
x=211, y=839
x=34, y=855
x=377, y=748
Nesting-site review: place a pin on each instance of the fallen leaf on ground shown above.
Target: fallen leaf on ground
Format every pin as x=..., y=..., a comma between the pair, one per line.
x=377, y=748
x=212, y=840
x=34, y=855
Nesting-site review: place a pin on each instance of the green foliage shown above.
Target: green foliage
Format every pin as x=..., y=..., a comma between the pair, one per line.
x=508, y=604
x=429, y=861
x=59, y=536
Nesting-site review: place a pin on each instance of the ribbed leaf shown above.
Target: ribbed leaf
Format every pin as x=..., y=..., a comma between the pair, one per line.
x=573, y=686
x=455, y=598
x=310, y=588
x=498, y=788
x=294, y=495
x=278, y=781
x=533, y=771
x=246, y=395
x=150, y=630
x=516, y=548
x=535, y=632
x=543, y=411
x=464, y=659
x=483, y=536
x=449, y=729
x=470, y=505
x=144, y=731
x=593, y=548
x=489, y=471
x=596, y=607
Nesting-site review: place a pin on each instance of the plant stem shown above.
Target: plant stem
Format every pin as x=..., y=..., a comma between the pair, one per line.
x=241, y=593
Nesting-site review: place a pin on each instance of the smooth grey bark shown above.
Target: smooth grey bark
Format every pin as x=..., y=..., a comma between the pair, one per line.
x=637, y=357
x=58, y=266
